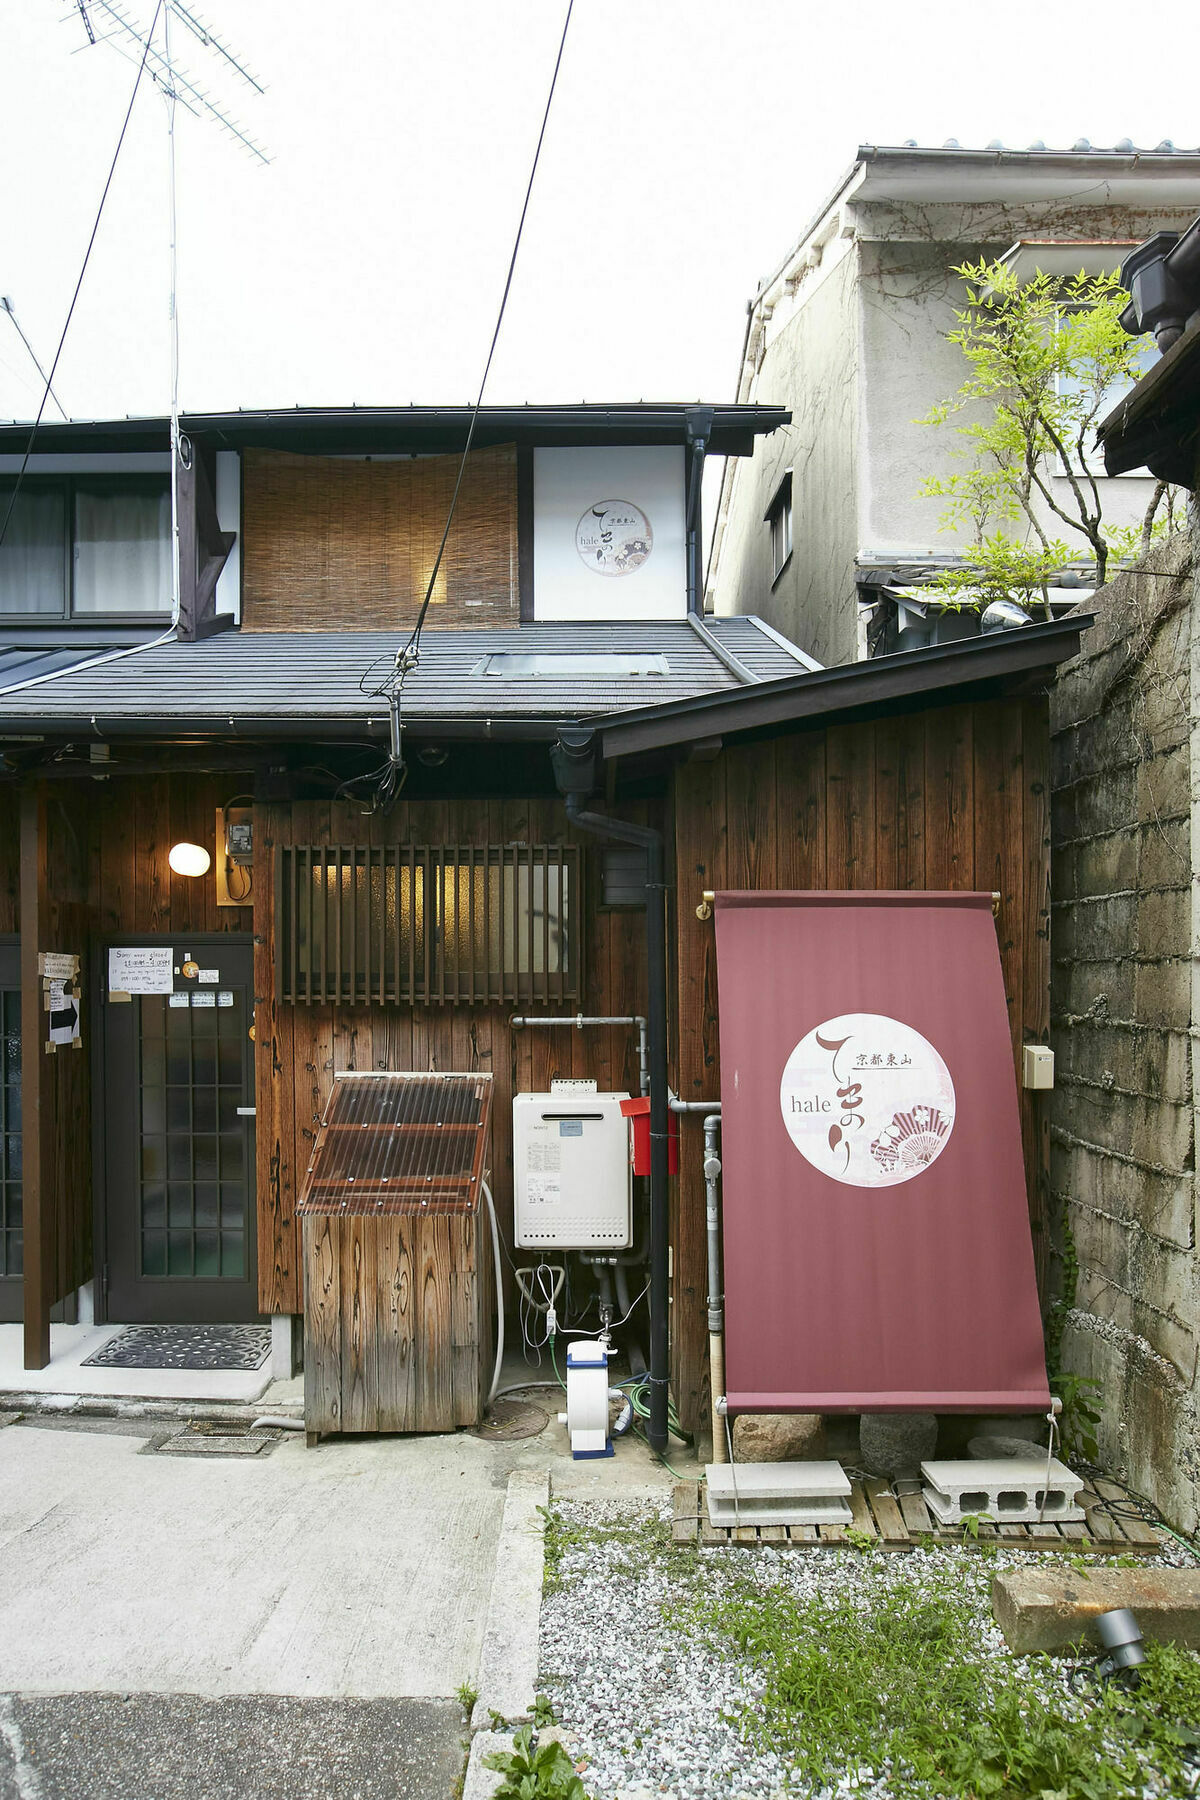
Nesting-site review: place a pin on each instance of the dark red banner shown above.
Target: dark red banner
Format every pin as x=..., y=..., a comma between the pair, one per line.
x=875, y=1225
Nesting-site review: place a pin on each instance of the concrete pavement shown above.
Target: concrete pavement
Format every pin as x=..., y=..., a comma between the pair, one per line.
x=287, y=1625
x=179, y=1747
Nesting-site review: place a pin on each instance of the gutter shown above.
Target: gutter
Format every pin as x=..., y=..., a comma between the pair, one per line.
x=177, y=727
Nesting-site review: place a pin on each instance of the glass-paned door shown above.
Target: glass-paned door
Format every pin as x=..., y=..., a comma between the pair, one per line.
x=11, y=1262
x=179, y=1133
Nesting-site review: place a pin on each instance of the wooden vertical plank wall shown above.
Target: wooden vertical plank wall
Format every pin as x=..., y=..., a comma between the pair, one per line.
x=300, y=1048
x=951, y=798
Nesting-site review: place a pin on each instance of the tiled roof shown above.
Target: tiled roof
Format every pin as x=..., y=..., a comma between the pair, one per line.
x=307, y=675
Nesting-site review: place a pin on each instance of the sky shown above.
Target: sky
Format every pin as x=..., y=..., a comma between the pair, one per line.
x=690, y=143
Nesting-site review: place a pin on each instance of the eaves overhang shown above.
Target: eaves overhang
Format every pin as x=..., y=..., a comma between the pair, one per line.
x=366, y=430
x=971, y=666
x=1157, y=424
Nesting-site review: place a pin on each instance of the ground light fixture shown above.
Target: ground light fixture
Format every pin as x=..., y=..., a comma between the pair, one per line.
x=1121, y=1636
x=189, y=859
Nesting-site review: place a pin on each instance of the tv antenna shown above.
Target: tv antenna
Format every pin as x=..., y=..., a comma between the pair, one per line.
x=114, y=23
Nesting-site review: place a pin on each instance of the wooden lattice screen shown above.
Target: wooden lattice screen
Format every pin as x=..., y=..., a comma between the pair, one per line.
x=399, y=1143
x=347, y=543
x=462, y=924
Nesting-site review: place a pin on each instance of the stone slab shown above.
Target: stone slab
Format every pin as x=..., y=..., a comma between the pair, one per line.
x=508, y=1660
x=1047, y=1609
x=776, y=1481
x=480, y=1782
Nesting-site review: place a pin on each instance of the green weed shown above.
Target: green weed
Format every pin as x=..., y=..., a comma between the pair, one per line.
x=893, y=1676
x=466, y=1695
x=546, y=1773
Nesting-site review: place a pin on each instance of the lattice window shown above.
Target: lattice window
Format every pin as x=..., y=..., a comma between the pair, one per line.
x=408, y=923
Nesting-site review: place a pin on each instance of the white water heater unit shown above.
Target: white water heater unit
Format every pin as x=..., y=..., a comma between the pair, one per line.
x=572, y=1182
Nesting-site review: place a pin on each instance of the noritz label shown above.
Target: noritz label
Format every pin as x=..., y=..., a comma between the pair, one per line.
x=867, y=1100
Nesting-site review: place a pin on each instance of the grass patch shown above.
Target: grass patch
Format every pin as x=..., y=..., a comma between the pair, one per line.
x=891, y=1677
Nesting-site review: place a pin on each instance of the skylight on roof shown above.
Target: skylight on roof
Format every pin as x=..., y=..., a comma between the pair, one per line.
x=553, y=665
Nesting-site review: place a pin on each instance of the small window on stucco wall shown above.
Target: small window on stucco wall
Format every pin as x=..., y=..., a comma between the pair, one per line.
x=778, y=519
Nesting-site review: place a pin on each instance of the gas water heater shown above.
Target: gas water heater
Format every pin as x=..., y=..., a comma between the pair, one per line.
x=572, y=1182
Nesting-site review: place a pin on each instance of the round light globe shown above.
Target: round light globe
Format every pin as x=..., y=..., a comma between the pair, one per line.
x=189, y=859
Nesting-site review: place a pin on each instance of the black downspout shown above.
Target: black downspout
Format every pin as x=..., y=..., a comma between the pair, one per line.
x=574, y=763
x=699, y=429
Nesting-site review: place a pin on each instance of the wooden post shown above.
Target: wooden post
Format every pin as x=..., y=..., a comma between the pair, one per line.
x=36, y=1109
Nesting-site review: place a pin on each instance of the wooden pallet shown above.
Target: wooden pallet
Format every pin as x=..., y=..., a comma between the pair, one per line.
x=904, y=1522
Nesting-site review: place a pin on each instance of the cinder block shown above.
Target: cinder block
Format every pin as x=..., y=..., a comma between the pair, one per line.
x=796, y=1493
x=1015, y=1489
x=1047, y=1609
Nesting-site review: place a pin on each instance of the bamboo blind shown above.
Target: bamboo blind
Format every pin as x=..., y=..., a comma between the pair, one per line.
x=399, y=1143
x=335, y=542
x=448, y=924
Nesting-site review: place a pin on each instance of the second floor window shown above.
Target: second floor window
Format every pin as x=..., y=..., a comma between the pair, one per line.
x=83, y=546
x=779, y=519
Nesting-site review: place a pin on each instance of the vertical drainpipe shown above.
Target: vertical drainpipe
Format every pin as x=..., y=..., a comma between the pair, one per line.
x=699, y=429
x=574, y=760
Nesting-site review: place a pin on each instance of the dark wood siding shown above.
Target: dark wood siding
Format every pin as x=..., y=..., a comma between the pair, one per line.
x=300, y=1047
x=951, y=798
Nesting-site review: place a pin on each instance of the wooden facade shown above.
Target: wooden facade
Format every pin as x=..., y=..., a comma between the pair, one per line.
x=300, y=1046
x=950, y=797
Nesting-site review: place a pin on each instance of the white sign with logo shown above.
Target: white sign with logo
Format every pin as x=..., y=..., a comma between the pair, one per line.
x=867, y=1100
x=614, y=537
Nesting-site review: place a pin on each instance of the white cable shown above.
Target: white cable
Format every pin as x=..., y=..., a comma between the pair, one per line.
x=93, y=662
x=487, y=1194
x=1052, y=1416
x=737, y=1510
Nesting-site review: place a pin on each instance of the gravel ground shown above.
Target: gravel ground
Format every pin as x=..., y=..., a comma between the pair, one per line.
x=648, y=1706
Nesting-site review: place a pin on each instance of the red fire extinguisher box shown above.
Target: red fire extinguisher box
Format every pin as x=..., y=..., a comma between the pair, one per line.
x=637, y=1111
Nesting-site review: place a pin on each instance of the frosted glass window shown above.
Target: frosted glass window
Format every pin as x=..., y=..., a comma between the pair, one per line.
x=33, y=554
x=122, y=551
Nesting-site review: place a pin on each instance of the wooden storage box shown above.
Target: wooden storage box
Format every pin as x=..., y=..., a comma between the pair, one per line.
x=397, y=1286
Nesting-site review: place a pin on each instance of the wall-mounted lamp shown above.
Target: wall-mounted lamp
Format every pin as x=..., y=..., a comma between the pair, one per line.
x=189, y=859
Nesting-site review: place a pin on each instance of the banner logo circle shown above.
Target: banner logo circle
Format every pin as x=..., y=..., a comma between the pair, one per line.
x=867, y=1100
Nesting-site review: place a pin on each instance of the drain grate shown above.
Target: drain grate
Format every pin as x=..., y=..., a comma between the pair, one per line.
x=185, y=1347
x=204, y=1438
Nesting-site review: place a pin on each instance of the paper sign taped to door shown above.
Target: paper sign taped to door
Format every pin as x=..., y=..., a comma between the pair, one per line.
x=145, y=969
x=57, y=965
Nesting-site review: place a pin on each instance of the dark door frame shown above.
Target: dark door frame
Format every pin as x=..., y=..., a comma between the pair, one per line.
x=191, y=940
x=12, y=1287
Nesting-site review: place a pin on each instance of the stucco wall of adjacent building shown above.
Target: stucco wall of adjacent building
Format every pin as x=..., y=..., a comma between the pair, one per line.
x=810, y=365
x=1126, y=1009
x=851, y=335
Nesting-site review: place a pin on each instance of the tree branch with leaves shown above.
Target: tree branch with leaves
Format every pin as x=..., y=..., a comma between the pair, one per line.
x=1047, y=360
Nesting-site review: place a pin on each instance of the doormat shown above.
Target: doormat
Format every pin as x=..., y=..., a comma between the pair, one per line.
x=185, y=1347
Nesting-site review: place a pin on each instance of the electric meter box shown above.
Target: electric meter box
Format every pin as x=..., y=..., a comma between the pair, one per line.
x=572, y=1182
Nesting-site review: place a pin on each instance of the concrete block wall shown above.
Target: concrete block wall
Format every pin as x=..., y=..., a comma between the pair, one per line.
x=1125, y=761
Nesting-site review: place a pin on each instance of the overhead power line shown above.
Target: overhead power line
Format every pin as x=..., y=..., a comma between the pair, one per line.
x=112, y=169
x=384, y=783
x=412, y=648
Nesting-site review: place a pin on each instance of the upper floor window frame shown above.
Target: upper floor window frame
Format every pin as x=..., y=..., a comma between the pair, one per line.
x=778, y=519
x=68, y=485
